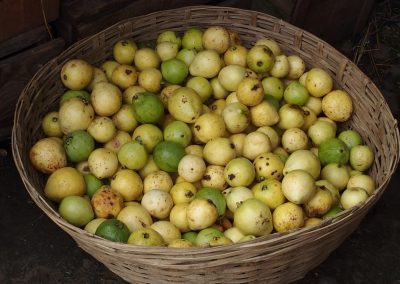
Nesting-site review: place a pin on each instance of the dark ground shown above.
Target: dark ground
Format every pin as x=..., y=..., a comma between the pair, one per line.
x=34, y=250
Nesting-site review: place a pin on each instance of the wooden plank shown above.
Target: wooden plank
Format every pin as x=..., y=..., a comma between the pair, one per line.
x=15, y=73
x=20, y=16
x=76, y=22
x=23, y=41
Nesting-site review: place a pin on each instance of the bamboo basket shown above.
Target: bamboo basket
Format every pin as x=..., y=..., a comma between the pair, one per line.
x=278, y=258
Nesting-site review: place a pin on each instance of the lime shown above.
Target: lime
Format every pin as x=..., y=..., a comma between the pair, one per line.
x=167, y=155
x=78, y=145
x=174, y=71
x=77, y=210
x=113, y=230
x=179, y=132
x=92, y=184
x=147, y=107
x=215, y=196
x=71, y=94
x=333, y=150
x=350, y=138
x=296, y=94
x=133, y=155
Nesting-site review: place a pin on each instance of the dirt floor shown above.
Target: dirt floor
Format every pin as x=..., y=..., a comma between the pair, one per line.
x=34, y=250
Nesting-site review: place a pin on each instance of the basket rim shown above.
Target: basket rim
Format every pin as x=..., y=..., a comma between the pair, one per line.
x=76, y=232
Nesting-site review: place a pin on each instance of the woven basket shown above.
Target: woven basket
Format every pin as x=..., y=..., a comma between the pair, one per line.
x=276, y=258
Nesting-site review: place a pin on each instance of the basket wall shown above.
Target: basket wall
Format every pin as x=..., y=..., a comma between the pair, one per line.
x=277, y=258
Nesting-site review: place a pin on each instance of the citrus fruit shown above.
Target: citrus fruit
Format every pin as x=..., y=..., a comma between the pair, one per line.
x=147, y=107
x=167, y=155
x=333, y=150
x=113, y=230
x=174, y=71
x=76, y=210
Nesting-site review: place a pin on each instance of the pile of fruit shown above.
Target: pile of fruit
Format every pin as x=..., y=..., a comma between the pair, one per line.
x=197, y=140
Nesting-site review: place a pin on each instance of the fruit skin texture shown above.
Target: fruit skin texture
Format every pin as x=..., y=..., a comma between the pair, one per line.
x=337, y=105
x=146, y=237
x=333, y=150
x=288, y=216
x=239, y=172
x=147, y=107
x=185, y=105
x=253, y=217
x=106, y=99
x=64, y=182
x=165, y=159
x=76, y=74
x=76, y=210
x=216, y=38
x=107, y=202
x=75, y=114
x=48, y=155
x=318, y=82
x=298, y=186
x=205, y=64
x=201, y=213
x=113, y=230
x=260, y=58
x=361, y=157
x=174, y=71
x=352, y=197
x=78, y=146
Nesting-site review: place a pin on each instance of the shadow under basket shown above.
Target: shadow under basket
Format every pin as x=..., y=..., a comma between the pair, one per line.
x=277, y=258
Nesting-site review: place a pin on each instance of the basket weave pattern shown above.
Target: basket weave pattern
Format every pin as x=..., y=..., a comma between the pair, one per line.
x=277, y=258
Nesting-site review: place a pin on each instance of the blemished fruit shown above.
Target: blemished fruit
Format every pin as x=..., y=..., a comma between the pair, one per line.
x=76, y=74
x=48, y=155
x=198, y=139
